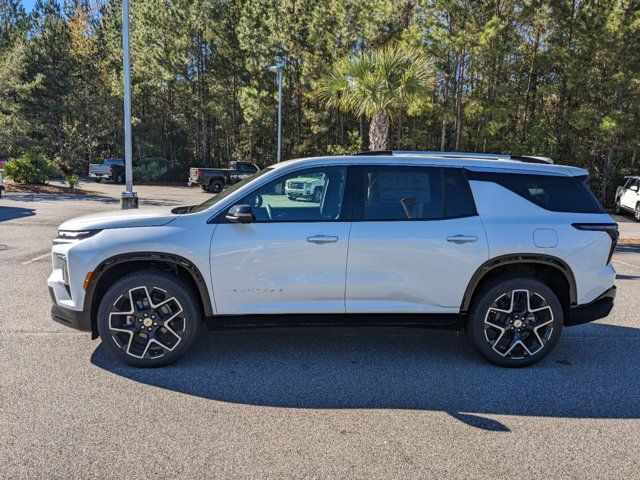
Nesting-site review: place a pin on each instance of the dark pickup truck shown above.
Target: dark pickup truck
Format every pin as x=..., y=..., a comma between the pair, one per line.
x=110, y=169
x=215, y=179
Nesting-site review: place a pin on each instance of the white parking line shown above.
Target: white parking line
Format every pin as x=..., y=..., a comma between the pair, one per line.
x=36, y=259
x=627, y=264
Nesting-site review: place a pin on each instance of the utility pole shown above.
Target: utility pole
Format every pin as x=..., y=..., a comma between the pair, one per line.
x=278, y=69
x=128, y=199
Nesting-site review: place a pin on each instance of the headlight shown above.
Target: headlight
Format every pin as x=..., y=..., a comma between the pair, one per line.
x=61, y=261
x=70, y=236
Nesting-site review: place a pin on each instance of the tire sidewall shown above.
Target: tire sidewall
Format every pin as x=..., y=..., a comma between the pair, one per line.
x=484, y=301
x=157, y=279
x=216, y=187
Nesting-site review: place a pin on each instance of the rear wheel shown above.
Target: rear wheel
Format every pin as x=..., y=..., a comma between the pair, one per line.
x=119, y=178
x=148, y=319
x=98, y=180
x=516, y=322
x=215, y=187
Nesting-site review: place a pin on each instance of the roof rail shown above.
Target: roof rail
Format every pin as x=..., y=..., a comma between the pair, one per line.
x=482, y=156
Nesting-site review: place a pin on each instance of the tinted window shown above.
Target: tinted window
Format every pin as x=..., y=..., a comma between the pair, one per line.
x=402, y=193
x=458, y=200
x=307, y=195
x=555, y=193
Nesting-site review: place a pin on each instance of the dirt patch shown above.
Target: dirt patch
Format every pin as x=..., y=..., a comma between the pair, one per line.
x=53, y=189
x=629, y=241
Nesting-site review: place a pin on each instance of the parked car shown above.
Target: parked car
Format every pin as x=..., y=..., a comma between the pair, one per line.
x=628, y=197
x=215, y=179
x=110, y=169
x=510, y=250
x=1, y=184
x=310, y=187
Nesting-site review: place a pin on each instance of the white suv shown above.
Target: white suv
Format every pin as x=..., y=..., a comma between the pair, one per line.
x=628, y=197
x=512, y=250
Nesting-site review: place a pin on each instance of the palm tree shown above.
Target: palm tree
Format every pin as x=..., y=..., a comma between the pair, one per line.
x=379, y=85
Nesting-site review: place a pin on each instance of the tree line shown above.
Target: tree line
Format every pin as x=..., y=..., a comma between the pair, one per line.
x=557, y=78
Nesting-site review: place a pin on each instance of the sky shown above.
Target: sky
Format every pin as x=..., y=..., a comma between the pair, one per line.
x=28, y=4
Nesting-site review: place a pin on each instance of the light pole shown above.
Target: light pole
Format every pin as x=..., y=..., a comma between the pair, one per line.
x=278, y=68
x=128, y=199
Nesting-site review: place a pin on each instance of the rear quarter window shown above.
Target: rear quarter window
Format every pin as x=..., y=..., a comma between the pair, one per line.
x=554, y=193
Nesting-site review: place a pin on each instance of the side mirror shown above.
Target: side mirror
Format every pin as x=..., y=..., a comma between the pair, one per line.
x=240, y=214
x=634, y=188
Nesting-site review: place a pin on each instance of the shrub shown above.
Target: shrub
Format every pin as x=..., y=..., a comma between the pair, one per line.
x=150, y=170
x=72, y=180
x=31, y=168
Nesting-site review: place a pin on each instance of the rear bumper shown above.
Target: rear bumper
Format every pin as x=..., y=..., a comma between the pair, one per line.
x=78, y=320
x=594, y=310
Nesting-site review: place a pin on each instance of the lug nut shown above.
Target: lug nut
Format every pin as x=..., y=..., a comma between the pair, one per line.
x=155, y=324
x=139, y=320
x=149, y=328
x=153, y=316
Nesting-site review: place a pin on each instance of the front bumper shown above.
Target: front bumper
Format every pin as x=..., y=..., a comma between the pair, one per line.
x=594, y=310
x=79, y=320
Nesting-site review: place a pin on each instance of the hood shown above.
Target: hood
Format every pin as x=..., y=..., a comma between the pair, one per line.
x=145, y=217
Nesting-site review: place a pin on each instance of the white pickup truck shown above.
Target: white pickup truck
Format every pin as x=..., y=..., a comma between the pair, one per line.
x=628, y=197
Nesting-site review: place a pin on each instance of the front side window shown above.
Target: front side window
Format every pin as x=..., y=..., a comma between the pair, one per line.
x=307, y=195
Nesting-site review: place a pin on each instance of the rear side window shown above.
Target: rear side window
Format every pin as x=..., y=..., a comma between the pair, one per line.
x=414, y=193
x=555, y=193
x=458, y=201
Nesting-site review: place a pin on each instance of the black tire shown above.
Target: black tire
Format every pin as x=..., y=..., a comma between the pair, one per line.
x=618, y=208
x=317, y=194
x=517, y=338
x=98, y=180
x=215, y=187
x=119, y=178
x=636, y=213
x=128, y=338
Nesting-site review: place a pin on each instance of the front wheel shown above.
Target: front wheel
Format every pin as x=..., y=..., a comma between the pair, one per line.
x=148, y=319
x=618, y=208
x=637, y=213
x=516, y=322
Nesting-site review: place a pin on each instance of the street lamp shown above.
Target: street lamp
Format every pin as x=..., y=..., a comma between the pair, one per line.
x=128, y=199
x=278, y=69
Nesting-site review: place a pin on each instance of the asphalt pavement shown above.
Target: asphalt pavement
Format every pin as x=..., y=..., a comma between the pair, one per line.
x=302, y=402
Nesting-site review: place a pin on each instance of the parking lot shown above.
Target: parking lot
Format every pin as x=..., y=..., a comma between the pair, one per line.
x=302, y=402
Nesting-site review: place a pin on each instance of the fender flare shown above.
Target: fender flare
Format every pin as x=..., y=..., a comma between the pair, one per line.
x=521, y=259
x=170, y=258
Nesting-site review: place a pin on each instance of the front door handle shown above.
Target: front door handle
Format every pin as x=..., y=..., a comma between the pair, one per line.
x=322, y=239
x=459, y=239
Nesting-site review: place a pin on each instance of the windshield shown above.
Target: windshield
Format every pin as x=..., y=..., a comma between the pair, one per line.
x=227, y=191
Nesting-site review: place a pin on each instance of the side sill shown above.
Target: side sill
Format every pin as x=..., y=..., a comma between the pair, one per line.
x=436, y=321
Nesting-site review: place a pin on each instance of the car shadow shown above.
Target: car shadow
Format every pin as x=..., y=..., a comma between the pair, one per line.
x=13, y=213
x=593, y=373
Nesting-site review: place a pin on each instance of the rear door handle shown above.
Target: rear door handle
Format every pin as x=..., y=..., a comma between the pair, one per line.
x=459, y=239
x=322, y=239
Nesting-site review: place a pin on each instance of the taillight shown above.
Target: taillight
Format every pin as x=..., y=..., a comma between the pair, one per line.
x=199, y=174
x=610, y=228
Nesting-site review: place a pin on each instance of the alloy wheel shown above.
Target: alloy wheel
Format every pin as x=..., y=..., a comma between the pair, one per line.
x=518, y=324
x=147, y=323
